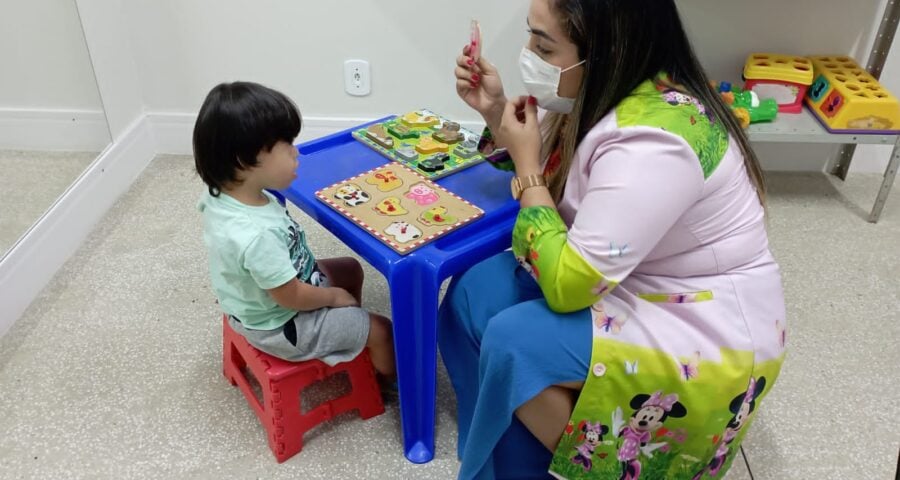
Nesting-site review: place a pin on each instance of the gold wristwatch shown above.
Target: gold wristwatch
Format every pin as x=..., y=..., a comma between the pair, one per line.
x=520, y=184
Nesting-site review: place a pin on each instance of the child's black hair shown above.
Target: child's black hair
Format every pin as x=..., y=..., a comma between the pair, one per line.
x=236, y=122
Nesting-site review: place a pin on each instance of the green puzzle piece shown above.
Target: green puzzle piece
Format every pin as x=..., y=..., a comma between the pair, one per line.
x=402, y=131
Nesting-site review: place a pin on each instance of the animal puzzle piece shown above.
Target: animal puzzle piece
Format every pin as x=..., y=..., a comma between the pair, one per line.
x=428, y=145
x=449, y=134
x=407, y=153
x=352, y=195
x=390, y=207
x=377, y=134
x=466, y=150
x=422, y=194
x=403, y=232
x=402, y=131
x=434, y=163
x=437, y=216
x=385, y=180
x=419, y=120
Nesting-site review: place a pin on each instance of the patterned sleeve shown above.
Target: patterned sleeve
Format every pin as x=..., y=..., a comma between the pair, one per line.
x=638, y=186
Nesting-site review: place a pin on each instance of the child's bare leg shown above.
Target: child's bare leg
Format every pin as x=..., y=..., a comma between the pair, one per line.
x=347, y=273
x=344, y=272
x=381, y=345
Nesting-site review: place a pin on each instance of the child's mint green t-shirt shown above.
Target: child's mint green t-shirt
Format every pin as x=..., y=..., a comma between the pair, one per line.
x=251, y=250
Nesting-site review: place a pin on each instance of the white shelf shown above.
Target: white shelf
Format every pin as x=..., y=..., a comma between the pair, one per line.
x=804, y=128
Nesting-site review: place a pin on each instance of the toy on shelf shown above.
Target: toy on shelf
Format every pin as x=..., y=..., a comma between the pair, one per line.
x=432, y=146
x=746, y=105
x=847, y=99
x=780, y=77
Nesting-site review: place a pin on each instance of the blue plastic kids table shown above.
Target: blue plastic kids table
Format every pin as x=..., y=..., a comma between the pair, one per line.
x=414, y=279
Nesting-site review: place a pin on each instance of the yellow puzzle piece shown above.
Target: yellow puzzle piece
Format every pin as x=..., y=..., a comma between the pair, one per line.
x=428, y=146
x=390, y=207
x=417, y=120
x=385, y=180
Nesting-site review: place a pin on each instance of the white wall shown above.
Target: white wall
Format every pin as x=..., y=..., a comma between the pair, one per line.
x=184, y=47
x=43, y=57
x=107, y=32
x=48, y=96
x=27, y=267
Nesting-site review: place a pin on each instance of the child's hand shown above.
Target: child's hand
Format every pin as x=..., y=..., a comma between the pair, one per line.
x=520, y=134
x=342, y=298
x=479, y=85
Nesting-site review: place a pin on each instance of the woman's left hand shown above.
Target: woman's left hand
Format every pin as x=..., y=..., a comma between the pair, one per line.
x=520, y=134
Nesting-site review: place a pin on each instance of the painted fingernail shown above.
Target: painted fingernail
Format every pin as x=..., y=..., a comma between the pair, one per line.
x=475, y=77
x=471, y=62
x=532, y=101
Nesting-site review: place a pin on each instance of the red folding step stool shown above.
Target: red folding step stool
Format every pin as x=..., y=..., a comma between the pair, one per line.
x=282, y=384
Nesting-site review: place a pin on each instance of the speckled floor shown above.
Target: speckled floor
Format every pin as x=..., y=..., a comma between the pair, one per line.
x=30, y=182
x=115, y=370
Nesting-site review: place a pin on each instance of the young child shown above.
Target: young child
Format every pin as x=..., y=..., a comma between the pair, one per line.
x=276, y=294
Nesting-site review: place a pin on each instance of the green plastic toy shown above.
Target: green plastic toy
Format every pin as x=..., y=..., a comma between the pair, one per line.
x=747, y=106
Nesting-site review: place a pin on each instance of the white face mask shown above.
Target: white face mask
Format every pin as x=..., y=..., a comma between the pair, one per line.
x=542, y=81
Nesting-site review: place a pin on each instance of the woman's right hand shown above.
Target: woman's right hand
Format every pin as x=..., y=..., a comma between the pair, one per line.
x=479, y=85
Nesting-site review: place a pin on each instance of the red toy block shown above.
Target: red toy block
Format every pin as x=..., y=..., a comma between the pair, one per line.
x=283, y=383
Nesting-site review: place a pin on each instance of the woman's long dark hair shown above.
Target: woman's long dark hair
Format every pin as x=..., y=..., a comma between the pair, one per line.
x=625, y=43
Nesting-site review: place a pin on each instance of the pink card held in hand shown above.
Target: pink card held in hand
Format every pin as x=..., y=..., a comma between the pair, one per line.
x=476, y=41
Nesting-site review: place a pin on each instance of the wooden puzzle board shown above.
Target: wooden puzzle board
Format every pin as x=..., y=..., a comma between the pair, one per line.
x=418, y=140
x=399, y=207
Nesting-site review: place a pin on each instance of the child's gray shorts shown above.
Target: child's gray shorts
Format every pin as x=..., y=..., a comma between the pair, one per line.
x=332, y=335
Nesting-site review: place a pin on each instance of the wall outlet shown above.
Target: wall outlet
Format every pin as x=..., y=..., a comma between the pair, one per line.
x=357, y=78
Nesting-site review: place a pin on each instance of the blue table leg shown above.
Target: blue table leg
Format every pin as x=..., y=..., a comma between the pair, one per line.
x=414, y=287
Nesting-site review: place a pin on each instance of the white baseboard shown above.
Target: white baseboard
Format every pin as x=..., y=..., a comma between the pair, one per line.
x=32, y=262
x=172, y=132
x=53, y=130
